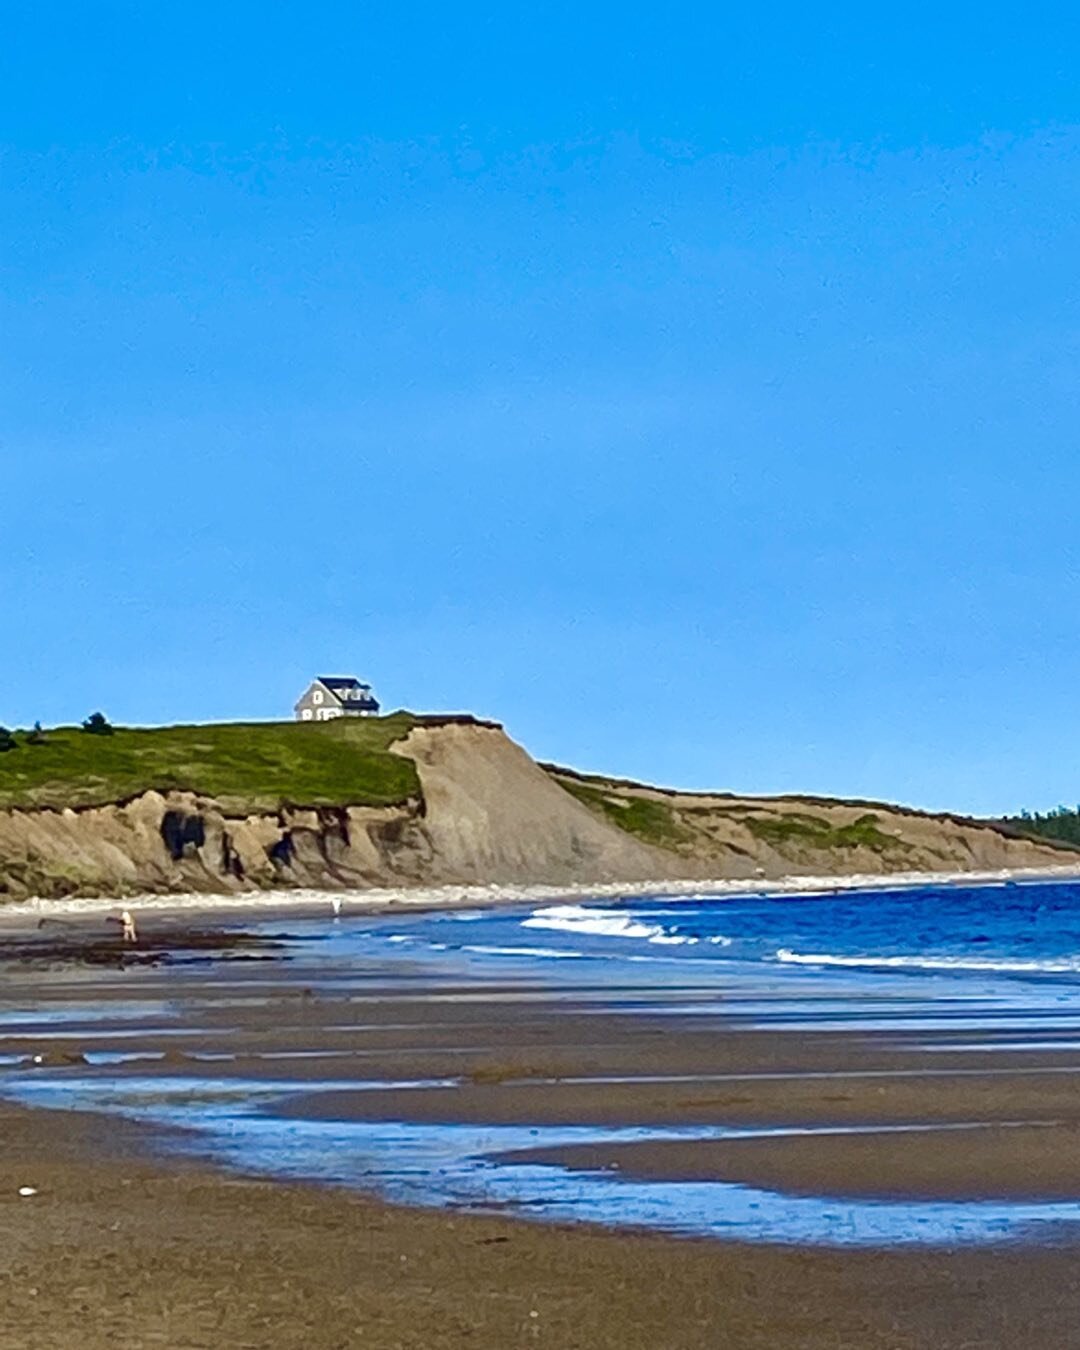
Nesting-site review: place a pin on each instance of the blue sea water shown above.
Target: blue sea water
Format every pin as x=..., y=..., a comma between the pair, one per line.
x=963, y=970
x=1016, y=928
x=984, y=956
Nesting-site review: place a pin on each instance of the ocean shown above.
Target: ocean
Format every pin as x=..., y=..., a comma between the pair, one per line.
x=280, y=1067
x=921, y=954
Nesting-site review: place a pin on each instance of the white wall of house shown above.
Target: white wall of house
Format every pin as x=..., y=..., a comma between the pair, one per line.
x=318, y=705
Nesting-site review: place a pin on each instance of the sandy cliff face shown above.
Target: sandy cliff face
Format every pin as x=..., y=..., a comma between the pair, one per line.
x=486, y=813
x=492, y=814
x=784, y=836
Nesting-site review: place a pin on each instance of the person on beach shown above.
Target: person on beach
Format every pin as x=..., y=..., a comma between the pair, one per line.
x=126, y=921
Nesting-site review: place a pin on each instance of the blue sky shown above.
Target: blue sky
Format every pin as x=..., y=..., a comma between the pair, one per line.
x=694, y=390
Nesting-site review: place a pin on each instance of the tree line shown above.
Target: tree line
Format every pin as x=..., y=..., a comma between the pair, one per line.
x=1063, y=823
x=97, y=724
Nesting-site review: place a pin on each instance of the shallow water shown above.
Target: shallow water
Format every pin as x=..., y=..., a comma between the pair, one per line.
x=960, y=970
x=466, y=1166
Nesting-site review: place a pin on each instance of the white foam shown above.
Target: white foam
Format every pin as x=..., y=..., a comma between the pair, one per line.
x=472, y=897
x=1064, y=967
x=580, y=920
x=548, y=952
x=594, y=922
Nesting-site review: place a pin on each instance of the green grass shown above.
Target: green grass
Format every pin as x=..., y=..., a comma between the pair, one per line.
x=657, y=823
x=652, y=822
x=255, y=766
x=814, y=832
x=1059, y=826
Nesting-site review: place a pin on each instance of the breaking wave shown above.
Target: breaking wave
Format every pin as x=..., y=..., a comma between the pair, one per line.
x=547, y=953
x=585, y=922
x=1063, y=966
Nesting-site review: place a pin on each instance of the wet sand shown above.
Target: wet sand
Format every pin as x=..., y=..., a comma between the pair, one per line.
x=118, y=1250
x=131, y=1242
x=969, y=1163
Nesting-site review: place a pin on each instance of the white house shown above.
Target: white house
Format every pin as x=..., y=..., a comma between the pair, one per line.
x=331, y=696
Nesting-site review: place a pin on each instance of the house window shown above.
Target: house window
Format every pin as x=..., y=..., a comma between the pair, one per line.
x=306, y=714
x=317, y=696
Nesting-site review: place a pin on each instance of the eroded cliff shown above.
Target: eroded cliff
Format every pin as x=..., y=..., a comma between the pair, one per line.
x=485, y=812
x=477, y=809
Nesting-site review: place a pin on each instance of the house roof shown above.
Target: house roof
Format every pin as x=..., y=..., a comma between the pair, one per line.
x=336, y=682
x=345, y=690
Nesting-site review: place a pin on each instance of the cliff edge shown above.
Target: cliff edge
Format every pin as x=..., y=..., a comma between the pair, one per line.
x=416, y=801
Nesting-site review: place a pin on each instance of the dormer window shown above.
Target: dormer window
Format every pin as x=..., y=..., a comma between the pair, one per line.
x=335, y=696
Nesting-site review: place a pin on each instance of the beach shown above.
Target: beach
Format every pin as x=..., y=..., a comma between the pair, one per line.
x=614, y=1124
x=119, y=1250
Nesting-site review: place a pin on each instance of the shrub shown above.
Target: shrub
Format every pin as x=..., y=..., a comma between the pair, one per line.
x=97, y=724
x=7, y=740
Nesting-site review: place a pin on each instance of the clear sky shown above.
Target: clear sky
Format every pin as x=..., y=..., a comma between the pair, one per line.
x=692, y=387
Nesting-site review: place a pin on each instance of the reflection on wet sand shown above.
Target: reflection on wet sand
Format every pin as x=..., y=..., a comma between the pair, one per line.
x=458, y=1079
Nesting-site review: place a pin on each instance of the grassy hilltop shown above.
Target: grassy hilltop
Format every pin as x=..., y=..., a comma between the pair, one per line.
x=674, y=827
x=811, y=831
x=258, y=767
x=490, y=814
x=253, y=766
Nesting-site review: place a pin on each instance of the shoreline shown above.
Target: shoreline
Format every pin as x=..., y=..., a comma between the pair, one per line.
x=316, y=1149
x=420, y=899
x=119, y=1250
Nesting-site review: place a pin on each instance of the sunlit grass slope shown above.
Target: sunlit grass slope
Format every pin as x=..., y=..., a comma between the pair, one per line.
x=245, y=766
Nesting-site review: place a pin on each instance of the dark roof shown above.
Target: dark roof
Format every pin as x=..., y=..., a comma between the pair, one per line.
x=341, y=682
